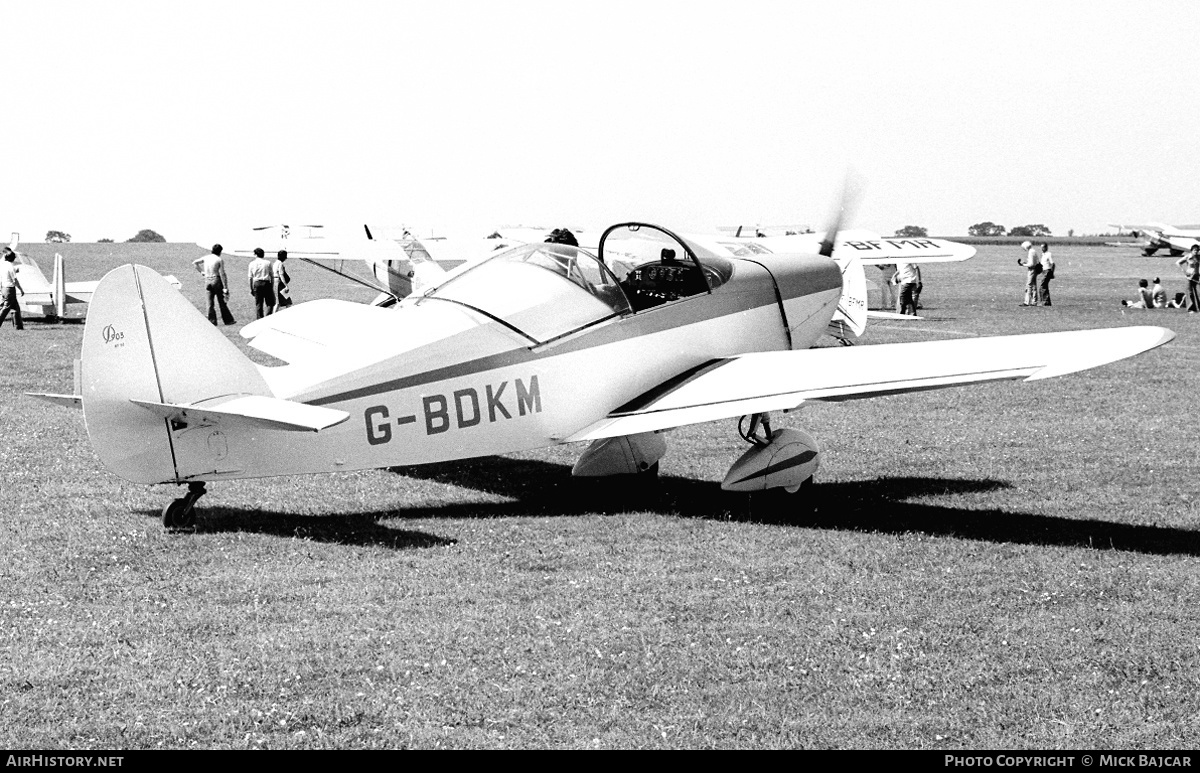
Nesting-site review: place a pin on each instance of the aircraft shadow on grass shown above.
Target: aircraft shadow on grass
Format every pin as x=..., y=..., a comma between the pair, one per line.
x=534, y=488
x=364, y=529
x=881, y=505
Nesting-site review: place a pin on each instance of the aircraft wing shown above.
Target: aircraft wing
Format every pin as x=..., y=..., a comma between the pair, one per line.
x=295, y=250
x=887, y=250
x=81, y=292
x=870, y=248
x=773, y=381
x=1144, y=228
x=891, y=315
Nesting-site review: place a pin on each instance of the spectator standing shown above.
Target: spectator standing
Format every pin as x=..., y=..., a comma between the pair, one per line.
x=279, y=274
x=261, y=290
x=887, y=299
x=908, y=276
x=1033, y=266
x=1191, y=270
x=1047, y=274
x=216, y=284
x=9, y=286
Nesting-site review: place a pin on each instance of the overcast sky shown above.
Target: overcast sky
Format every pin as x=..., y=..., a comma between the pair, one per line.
x=202, y=118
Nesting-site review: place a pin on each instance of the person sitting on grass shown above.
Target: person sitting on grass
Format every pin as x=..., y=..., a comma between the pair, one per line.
x=1145, y=298
x=1159, y=294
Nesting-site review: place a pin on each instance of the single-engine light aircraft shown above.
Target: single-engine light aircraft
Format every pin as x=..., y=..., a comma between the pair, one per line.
x=539, y=345
x=1175, y=239
x=55, y=298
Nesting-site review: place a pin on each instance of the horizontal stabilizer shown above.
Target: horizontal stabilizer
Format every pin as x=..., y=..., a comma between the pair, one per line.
x=772, y=381
x=270, y=412
x=68, y=401
x=892, y=315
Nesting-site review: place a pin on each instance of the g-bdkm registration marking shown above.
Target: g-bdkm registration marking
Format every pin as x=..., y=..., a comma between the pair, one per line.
x=462, y=409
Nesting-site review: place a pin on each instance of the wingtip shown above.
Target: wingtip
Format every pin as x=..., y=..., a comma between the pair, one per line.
x=1166, y=336
x=1115, y=343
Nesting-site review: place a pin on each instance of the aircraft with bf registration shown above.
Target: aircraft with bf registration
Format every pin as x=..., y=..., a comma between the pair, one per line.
x=539, y=345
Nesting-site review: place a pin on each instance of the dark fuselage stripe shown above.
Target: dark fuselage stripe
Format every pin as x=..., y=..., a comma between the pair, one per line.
x=491, y=362
x=647, y=399
x=648, y=321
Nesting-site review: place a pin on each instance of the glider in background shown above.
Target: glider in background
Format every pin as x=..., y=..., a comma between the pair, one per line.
x=539, y=345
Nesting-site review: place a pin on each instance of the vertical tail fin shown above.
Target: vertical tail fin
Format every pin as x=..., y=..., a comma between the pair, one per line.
x=144, y=341
x=850, y=319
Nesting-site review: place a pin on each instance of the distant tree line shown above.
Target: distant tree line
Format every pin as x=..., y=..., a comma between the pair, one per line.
x=988, y=228
x=144, y=235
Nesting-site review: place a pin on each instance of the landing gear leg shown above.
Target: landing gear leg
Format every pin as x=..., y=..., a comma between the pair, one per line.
x=181, y=513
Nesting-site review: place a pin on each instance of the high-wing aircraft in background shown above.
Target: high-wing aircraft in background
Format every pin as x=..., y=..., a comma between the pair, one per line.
x=406, y=264
x=1160, y=236
x=539, y=345
x=55, y=298
x=397, y=265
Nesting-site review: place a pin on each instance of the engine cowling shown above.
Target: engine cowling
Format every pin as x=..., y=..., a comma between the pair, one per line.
x=789, y=458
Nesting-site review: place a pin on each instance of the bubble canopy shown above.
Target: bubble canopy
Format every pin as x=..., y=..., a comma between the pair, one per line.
x=542, y=291
x=549, y=290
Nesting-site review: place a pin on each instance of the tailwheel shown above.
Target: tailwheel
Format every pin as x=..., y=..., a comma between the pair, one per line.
x=181, y=513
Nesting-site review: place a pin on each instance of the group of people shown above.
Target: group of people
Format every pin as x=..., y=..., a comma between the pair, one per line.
x=1152, y=297
x=268, y=283
x=1039, y=270
x=907, y=278
x=1156, y=297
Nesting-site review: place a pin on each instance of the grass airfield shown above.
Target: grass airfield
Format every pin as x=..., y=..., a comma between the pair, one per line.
x=1007, y=566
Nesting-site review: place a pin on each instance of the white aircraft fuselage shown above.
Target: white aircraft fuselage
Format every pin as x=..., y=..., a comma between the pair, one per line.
x=431, y=379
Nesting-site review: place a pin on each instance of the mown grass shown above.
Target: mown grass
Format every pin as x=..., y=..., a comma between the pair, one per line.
x=1004, y=566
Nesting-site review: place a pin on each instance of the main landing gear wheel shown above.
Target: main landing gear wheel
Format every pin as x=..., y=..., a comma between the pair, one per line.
x=788, y=503
x=181, y=513
x=804, y=487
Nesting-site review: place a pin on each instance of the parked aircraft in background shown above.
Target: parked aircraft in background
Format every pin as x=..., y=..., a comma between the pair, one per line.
x=1160, y=236
x=55, y=298
x=397, y=265
x=535, y=346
